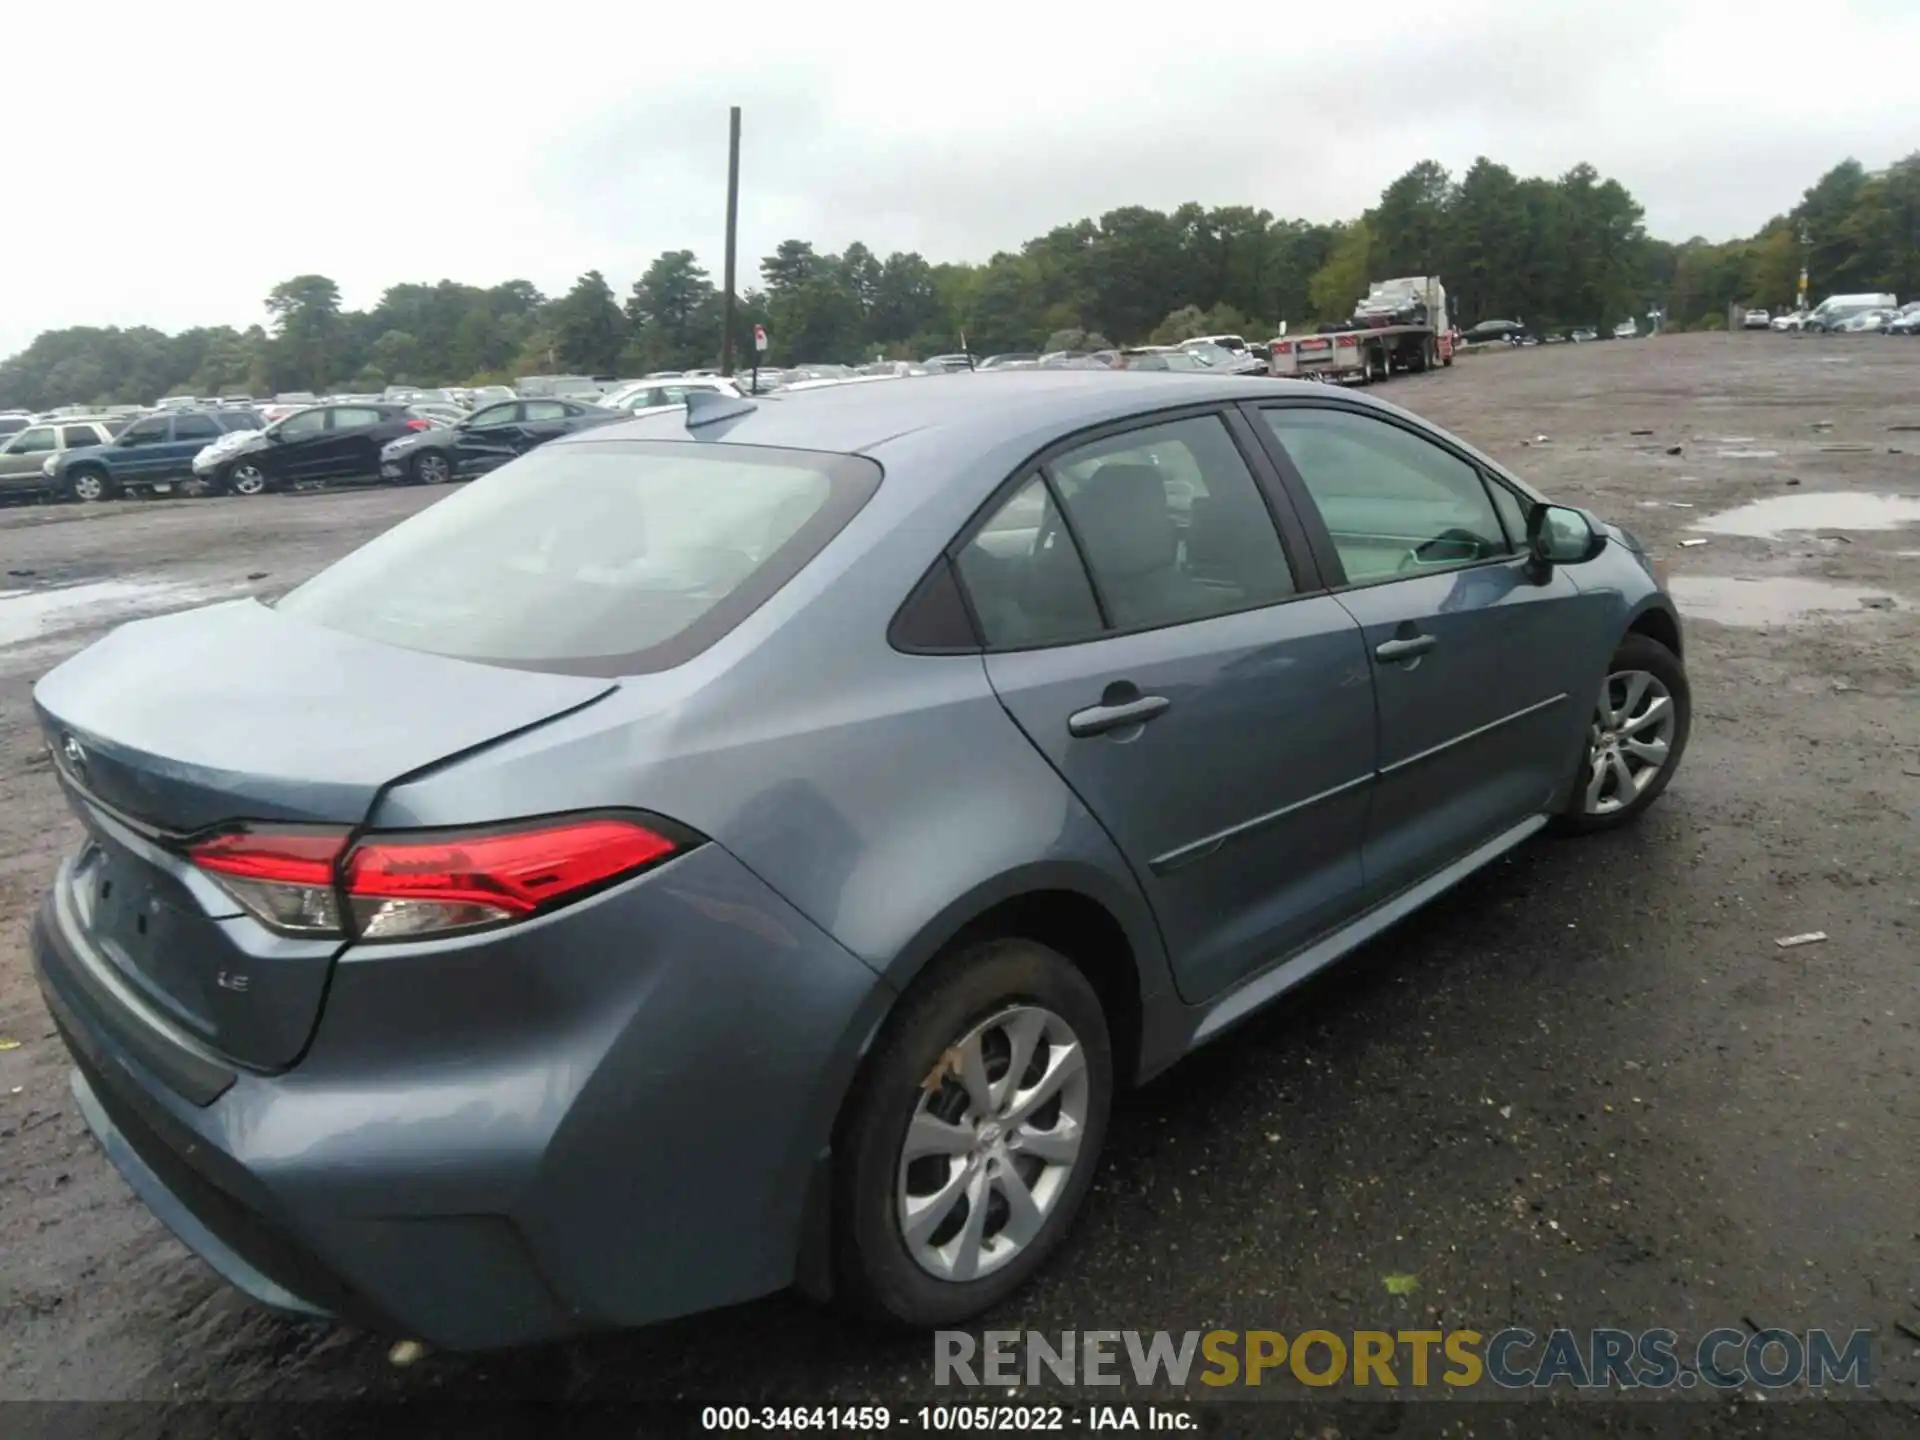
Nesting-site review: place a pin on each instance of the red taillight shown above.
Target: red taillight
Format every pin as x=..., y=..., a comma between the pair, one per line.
x=399, y=885
x=419, y=425
x=1346, y=342
x=1284, y=347
x=284, y=877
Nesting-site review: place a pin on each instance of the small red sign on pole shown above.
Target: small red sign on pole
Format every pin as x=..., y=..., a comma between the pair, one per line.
x=760, y=339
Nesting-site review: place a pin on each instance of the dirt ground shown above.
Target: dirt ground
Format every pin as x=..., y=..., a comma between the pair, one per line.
x=1585, y=1089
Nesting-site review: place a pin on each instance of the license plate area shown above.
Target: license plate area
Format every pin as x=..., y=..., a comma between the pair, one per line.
x=142, y=921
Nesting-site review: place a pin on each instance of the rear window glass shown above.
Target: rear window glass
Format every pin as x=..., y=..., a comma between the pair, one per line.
x=606, y=559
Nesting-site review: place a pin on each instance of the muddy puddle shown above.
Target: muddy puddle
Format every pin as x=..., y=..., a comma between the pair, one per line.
x=1780, y=600
x=1842, y=510
x=29, y=615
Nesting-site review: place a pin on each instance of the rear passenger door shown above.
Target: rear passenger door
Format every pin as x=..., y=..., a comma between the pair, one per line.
x=1479, y=681
x=191, y=435
x=1159, y=641
x=541, y=421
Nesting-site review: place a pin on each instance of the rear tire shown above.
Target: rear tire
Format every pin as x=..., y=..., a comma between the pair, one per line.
x=977, y=1240
x=1626, y=729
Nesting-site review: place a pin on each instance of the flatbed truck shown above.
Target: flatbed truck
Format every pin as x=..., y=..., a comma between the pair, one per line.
x=1374, y=345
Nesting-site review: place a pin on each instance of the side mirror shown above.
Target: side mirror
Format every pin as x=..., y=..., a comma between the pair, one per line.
x=1560, y=535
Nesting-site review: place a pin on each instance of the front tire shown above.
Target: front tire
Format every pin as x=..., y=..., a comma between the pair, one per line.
x=972, y=1137
x=430, y=467
x=90, y=486
x=1635, y=737
x=246, y=478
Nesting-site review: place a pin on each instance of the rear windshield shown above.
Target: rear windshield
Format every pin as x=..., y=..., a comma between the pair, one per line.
x=614, y=558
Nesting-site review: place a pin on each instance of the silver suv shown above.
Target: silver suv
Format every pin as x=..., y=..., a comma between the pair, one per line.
x=23, y=456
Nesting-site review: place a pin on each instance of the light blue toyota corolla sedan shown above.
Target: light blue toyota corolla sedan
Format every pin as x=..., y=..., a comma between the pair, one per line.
x=750, y=845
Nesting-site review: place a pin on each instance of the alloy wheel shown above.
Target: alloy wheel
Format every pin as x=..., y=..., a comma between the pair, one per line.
x=1630, y=740
x=247, y=480
x=992, y=1143
x=431, y=469
x=89, y=486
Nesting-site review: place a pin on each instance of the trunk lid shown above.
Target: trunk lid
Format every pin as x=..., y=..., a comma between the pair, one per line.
x=234, y=712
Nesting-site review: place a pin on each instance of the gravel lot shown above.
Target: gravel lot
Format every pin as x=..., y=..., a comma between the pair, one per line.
x=1585, y=1089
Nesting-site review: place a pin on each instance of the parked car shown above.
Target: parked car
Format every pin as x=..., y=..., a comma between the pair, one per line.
x=486, y=439
x=1864, y=321
x=152, y=456
x=1488, y=331
x=1159, y=357
x=938, y=363
x=683, y=863
x=1225, y=361
x=24, y=455
x=337, y=443
x=12, y=422
x=1626, y=330
x=1907, y=322
x=651, y=394
x=1583, y=335
x=483, y=395
x=1793, y=320
x=996, y=362
x=1756, y=320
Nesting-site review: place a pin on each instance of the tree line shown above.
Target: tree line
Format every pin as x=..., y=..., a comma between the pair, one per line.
x=1548, y=252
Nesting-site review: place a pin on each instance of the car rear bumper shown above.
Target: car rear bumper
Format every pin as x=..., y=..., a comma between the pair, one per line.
x=611, y=1116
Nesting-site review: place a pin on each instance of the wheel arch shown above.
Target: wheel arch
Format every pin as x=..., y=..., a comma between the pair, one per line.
x=1106, y=931
x=1658, y=623
x=1069, y=908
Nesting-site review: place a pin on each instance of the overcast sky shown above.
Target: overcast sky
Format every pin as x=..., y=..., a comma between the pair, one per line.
x=202, y=160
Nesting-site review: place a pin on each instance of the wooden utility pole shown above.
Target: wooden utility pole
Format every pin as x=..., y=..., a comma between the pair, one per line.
x=733, y=227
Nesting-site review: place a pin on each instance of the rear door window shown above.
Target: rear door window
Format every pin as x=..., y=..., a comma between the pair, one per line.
x=607, y=559
x=195, y=427
x=355, y=417
x=74, y=436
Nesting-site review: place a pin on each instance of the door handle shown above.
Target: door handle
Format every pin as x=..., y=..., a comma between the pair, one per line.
x=1404, y=649
x=1098, y=719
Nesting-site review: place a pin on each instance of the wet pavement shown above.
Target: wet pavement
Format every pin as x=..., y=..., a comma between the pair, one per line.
x=1586, y=1088
x=1813, y=511
x=1757, y=600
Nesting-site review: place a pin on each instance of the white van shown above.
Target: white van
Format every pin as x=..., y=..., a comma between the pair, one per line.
x=1828, y=314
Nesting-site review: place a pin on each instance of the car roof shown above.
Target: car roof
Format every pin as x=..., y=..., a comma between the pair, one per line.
x=859, y=418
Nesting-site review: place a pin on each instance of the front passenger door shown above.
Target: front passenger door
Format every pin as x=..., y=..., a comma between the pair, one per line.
x=486, y=438
x=1482, y=698
x=299, y=443
x=141, y=450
